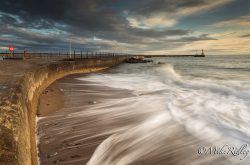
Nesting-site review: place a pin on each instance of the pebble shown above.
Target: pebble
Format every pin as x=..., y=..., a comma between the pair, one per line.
x=92, y=102
x=52, y=155
x=75, y=156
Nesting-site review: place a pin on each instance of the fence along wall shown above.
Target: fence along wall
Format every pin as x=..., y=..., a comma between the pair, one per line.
x=18, y=111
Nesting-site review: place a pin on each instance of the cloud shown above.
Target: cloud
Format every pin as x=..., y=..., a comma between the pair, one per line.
x=166, y=13
x=179, y=8
x=90, y=15
x=228, y=45
x=203, y=37
x=100, y=15
x=246, y=36
x=24, y=33
x=243, y=21
x=152, y=22
x=135, y=26
x=159, y=34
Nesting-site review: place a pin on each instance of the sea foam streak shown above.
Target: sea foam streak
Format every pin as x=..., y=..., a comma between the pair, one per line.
x=210, y=110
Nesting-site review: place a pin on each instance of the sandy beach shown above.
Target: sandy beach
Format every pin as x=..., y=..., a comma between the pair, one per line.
x=74, y=120
x=51, y=100
x=65, y=139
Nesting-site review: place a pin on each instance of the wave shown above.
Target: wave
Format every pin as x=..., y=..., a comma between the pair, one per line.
x=214, y=111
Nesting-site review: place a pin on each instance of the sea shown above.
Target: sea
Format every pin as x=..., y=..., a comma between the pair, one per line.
x=208, y=98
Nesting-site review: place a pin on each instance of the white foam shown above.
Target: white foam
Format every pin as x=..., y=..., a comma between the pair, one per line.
x=215, y=110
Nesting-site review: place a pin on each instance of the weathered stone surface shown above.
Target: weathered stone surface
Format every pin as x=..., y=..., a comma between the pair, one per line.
x=8, y=148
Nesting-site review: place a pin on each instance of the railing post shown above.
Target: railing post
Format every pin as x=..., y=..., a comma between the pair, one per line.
x=24, y=54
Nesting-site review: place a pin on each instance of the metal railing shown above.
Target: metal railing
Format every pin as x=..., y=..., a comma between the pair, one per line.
x=73, y=56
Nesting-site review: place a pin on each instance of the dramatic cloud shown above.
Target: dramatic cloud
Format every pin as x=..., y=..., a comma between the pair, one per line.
x=114, y=25
x=166, y=13
x=183, y=7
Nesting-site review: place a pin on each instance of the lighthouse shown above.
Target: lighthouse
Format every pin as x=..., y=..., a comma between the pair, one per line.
x=202, y=52
x=200, y=55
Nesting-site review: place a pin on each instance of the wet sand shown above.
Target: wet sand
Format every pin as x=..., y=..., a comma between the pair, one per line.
x=66, y=139
x=80, y=118
x=51, y=100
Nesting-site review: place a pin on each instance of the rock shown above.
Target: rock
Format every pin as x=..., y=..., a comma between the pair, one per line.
x=92, y=102
x=75, y=156
x=52, y=155
x=56, y=161
x=46, y=91
x=137, y=60
x=73, y=144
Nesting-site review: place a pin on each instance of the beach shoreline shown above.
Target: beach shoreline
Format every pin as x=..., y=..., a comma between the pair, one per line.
x=53, y=109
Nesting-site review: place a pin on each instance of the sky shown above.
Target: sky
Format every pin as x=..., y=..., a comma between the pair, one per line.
x=155, y=27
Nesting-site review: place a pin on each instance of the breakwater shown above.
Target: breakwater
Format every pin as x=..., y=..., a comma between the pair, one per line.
x=19, y=108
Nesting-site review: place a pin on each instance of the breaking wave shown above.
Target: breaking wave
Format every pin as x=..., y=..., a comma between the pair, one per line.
x=185, y=112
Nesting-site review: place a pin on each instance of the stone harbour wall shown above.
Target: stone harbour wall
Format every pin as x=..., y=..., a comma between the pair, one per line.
x=18, y=110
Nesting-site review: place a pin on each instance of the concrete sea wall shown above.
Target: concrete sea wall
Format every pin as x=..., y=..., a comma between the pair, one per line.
x=18, y=110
